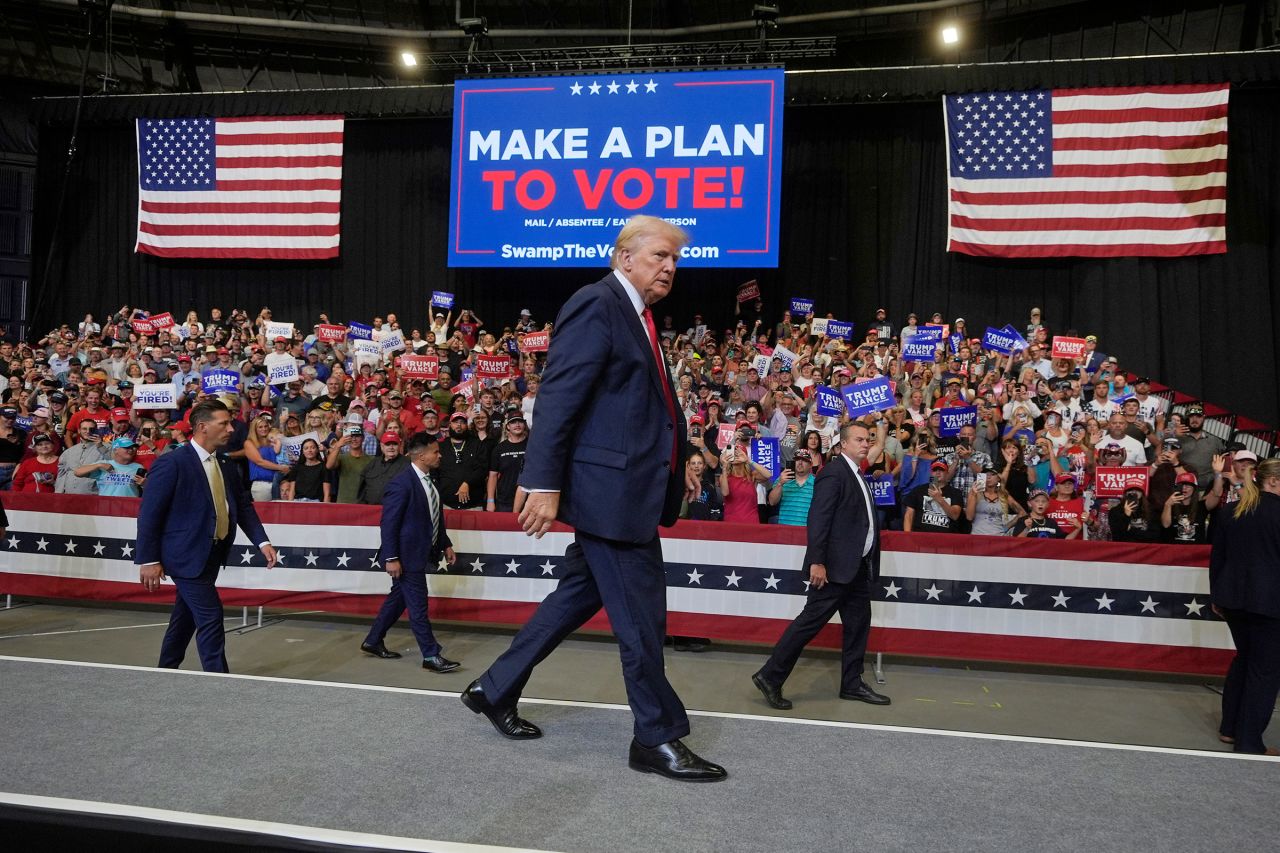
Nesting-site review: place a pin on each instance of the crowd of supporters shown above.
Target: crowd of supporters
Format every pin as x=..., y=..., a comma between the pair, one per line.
x=1027, y=467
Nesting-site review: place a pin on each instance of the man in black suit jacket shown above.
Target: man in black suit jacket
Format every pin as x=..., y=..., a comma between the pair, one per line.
x=843, y=557
x=604, y=458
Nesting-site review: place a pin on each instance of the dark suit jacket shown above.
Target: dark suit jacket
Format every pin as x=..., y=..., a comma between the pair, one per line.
x=602, y=434
x=176, y=522
x=1244, y=565
x=406, y=524
x=838, y=524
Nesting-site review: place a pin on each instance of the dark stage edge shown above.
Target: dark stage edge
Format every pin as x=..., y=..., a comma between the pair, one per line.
x=417, y=765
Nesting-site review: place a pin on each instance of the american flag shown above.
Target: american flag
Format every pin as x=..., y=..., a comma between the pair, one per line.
x=264, y=187
x=1088, y=172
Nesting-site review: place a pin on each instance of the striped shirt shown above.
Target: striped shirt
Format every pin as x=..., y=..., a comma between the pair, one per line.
x=793, y=507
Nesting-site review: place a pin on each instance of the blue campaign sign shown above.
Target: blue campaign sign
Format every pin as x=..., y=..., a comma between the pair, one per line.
x=440, y=299
x=828, y=401
x=868, y=397
x=546, y=170
x=916, y=350
x=23, y=422
x=1019, y=342
x=841, y=330
x=881, y=486
x=218, y=381
x=800, y=307
x=951, y=419
x=767, y=453
x=926, y=334
x=998, y=340
x=957, y=341
x=360, y=331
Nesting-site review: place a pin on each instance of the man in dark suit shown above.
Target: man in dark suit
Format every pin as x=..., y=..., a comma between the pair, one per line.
x=414, y=539
x=191, y=505
x=843, y=557
x=603, y=459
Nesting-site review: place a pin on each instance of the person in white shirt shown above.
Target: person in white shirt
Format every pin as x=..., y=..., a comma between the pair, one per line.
x=1150, y=409
x=1020, y=399
x=1100, y=406
x=1134, y=454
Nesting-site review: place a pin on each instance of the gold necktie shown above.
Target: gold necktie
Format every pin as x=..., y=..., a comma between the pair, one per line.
x=219, y=492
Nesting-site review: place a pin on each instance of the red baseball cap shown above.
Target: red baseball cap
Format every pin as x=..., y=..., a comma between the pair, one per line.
x=119, y=414
x=389, y=438
x=696, y=419
x=1186, y=478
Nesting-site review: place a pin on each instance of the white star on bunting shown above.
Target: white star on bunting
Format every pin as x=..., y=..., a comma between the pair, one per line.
x=513, y=567
x=594, y=88
x=1149, y=606
x=1061, y=599
x=477, y=566
x=892, y=590
x=974, y=595
x=98, y=548
x=771, y=582
x=71, y=546
x=933, y=593
x=246, y=556
x=1017, y=596
x=632, y=87
x=311, y=559
x=42, y=544
x=695, y=576
x=1194, y=607
x=613, y=87
x=126, y=550
x=732, y=579
x=343, y=559
x=13, y=543
x=548, y=567
x=650, y=87
x=576, y=88
x=1104, y=603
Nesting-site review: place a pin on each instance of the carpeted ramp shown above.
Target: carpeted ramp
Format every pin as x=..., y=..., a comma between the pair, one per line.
x=419, y=765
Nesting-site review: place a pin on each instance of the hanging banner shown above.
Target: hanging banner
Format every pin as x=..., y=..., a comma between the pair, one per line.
x=546, y=170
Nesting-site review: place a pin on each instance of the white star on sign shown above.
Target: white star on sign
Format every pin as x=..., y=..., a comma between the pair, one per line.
x=246, y=556
x=771, y=582
x=71, y=546
x=1194, y=607
x=613, y=87
x=13, y=543
x=732, y=579
x=975, y=595
x=311, y=559
x=1060, y=600
x=1017, y=596
x=42, y=544
x=632, y=87
x=933, y=593
x=695, y=576
x=477, y=566
x=343, y=559
x=892, y=590
x=126, y=550
x=594, y=88
x=1149, y=606
x=513, y=566
x=547, y=568
x=98, y=548
x=576, y=88
x=650, y=87
x=1104, y=603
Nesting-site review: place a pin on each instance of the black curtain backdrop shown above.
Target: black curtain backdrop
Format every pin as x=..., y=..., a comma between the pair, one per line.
x=863, y=225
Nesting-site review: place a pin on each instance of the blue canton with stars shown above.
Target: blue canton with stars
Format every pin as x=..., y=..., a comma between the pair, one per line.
x=1001, y=134
x=177, y=154
x=1054, y=598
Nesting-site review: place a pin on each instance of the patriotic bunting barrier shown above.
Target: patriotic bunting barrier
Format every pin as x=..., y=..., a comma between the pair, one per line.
x=1097, y=604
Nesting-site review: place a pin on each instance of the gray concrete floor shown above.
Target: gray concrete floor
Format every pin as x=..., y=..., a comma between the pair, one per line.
x=1078, y=705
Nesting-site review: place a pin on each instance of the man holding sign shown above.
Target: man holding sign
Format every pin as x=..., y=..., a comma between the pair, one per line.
x=843, y=557
x=615, y=488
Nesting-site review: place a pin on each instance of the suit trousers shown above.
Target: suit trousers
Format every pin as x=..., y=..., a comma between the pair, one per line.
x=1253, y=680
x=853, y=602
x=630, y=581
x=197, y=610
x=409, y=591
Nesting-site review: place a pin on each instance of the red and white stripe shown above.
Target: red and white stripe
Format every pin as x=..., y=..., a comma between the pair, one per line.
x=278, y=195
x=1137, y=171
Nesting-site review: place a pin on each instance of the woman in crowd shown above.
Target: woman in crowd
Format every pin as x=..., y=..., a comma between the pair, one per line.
x=1054, y=433
x=487, y=436
x=706, y=503
x=813, y=442
x=1133, y=518
x=1244, y=586
x=1229, y=480
x=1066, y=506
x=262, y=450
x=306, y=480
x=916, y=409
x=1012, y=467
x=321, y=424
x=738, y=479
x=988, y=507
x=39, y=473
x=1182, y=517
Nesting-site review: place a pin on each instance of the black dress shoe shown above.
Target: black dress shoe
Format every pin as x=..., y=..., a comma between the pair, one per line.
x=378, y=651
x=440, y=663
x=863, y=693
x=772, y=695
x=675, y=761
x=505, y=719
x=690, y=644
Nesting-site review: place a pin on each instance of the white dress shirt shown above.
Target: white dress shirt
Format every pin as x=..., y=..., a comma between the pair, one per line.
x=871, y=510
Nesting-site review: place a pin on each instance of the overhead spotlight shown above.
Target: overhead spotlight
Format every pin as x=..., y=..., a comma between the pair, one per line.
x=763, y=14
x=474, y=26
x=950, y=34
x=408, y=59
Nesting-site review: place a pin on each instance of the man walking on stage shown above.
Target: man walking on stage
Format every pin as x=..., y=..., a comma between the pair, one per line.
x=615, y=487
x=844, y=561
x=191, y=507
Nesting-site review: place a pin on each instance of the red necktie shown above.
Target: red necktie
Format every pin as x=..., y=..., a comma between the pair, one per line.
x=662, y=373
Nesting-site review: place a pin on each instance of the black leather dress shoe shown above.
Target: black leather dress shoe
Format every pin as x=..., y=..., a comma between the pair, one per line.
x=440, y=663
x=505, y=719
x=863, y=693
x=675, y=761
x=378, y=651
x=772, y=695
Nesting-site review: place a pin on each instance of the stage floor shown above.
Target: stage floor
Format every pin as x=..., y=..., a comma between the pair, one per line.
x=399, y=763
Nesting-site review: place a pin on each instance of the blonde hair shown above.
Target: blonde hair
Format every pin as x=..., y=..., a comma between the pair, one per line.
x=1250, y=494
x=640, y=228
